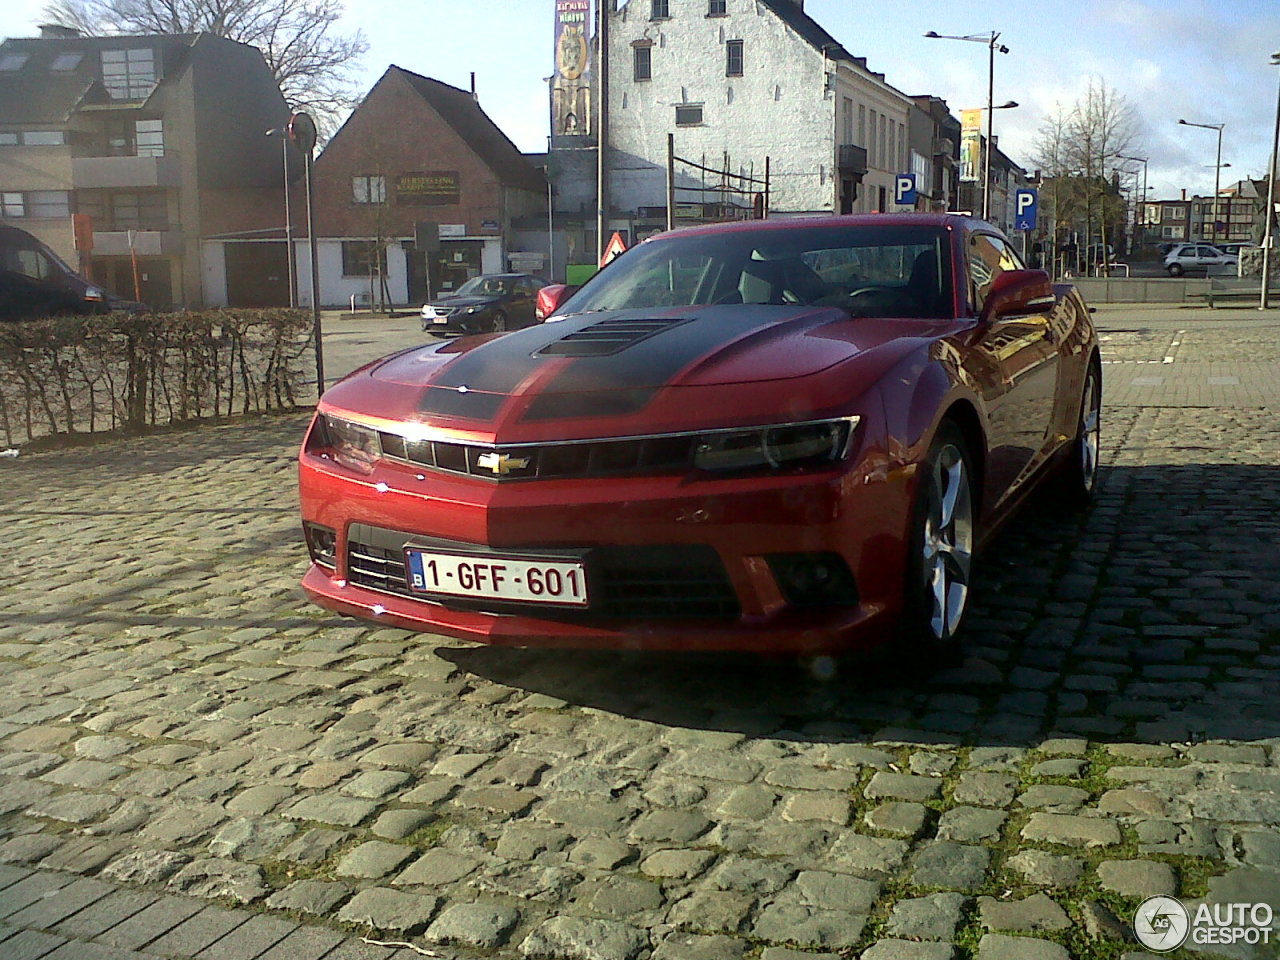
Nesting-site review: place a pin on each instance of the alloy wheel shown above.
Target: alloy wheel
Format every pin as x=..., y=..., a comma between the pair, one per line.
x=948, y=542
x=1090, y=432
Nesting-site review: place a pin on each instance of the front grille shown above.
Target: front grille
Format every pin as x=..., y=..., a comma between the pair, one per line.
x=667, y=582
x=445, y=311
x=551, y=461
x=607, y=337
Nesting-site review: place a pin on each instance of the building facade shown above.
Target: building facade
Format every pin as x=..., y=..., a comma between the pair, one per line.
x=725, y=77
x=416, y=160
x=150, y=143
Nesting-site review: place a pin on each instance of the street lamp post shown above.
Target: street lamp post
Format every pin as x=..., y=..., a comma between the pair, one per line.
x=283, y=133
x=1217, y=168
x=1140, y=203
x=990, y=39
x=1268, y=235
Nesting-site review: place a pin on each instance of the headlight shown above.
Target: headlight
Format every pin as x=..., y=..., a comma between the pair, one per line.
x=353, y=445
x=471, y=310
x=781, y=445
x=95, y=293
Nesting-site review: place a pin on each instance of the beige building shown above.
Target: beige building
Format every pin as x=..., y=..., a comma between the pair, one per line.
x=156, y=141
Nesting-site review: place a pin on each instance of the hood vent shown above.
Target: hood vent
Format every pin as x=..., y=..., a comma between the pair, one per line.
x=607, y=337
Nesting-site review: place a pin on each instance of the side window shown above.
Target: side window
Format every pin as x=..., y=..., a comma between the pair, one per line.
x=989, y=257
x=34, y=264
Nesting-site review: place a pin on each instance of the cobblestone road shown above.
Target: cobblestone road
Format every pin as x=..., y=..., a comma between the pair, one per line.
x=193, y=762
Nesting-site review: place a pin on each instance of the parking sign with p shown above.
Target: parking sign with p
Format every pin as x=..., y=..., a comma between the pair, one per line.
x=1024, y=213
x=904, y=189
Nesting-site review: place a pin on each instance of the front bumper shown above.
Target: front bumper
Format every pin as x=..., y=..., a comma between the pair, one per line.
x=858, y=511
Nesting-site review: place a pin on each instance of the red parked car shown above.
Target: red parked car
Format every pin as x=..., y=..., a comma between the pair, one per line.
x=781, y=436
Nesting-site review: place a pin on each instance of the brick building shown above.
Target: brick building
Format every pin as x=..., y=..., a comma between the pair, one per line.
x=415, y=151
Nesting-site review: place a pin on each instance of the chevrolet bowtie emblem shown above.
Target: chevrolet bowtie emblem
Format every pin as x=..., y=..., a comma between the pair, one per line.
x=501, y=463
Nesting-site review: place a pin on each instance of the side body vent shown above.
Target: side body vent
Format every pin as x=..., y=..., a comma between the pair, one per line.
x=607, y=337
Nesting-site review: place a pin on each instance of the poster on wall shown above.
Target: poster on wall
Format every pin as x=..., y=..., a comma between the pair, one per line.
x=571, y=89
x=434, y=188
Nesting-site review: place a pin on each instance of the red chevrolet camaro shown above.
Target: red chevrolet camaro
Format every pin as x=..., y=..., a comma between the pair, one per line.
x=780, y=436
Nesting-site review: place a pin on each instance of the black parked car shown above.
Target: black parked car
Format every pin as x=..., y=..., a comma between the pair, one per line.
x=486, y=304
x=34, y=282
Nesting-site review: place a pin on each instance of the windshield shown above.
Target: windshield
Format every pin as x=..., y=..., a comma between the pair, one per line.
x=485, y=287
x=866, y=270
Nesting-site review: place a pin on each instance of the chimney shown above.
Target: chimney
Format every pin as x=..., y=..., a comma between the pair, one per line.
x=473, y=86
x=1184, y=193
x=56, y=31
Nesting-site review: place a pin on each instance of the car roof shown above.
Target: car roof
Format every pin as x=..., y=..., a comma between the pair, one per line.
x=943, y=220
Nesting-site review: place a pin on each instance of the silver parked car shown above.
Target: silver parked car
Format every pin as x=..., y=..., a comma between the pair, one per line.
x=1198, y=258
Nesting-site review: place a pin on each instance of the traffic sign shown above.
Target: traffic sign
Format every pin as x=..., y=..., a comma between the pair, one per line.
x=613, y=248
x=904, y=189
x=1025, y=204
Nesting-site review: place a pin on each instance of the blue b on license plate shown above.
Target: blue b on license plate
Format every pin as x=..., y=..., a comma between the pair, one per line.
x=481, y=577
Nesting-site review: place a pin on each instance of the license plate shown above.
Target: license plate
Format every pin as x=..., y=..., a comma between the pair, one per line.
x=439, y=319
x=481, y=577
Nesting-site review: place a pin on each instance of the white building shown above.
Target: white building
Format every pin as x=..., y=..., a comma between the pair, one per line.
x=746, y=80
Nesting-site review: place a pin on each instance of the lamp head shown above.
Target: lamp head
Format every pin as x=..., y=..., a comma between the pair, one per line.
x=934, y=35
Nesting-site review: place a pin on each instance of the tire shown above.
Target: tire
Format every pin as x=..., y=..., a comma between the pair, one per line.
x=1175, y=270
x=1079, y=478
x=940, y=562
x=499, y=322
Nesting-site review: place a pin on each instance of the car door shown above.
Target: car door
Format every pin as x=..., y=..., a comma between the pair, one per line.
x=1023, y=352
x=522, y=302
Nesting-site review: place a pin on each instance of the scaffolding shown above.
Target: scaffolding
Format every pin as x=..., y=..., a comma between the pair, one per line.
x=736, y=196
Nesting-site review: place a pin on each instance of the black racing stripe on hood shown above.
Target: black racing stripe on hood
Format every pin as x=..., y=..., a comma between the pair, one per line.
x=470, y=405
x=653, y=361
x=567, y=406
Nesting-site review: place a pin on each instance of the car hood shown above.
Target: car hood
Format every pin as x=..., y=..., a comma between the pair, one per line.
x=463, y=302
x=658, y=366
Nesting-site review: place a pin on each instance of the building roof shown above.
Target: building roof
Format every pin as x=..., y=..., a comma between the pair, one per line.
x=32, y=99
x=34, y=93
x=460, y=110
x=815, y=34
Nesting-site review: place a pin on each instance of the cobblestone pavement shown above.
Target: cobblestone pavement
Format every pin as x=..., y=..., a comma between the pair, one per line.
x=194, y=762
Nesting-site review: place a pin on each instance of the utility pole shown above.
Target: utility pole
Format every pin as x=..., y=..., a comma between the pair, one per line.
x=302, y=130
x=1268, y=235
x=602, y=133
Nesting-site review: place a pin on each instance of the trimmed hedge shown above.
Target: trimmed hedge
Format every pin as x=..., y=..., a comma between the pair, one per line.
x=66, y=375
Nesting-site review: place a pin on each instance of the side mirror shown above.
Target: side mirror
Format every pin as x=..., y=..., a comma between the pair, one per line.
x=1019, y=292
x=551, y=298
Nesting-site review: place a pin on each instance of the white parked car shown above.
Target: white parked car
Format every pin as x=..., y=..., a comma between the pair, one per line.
x=1198, y=258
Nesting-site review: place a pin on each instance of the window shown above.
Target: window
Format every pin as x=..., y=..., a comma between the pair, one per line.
x=862, y=125
x=129, y=74
x=659, y=9
x=358, y=261
x=8, y=139
x=13, y=61
x=873, y=157
x=717, y=8
x=32, y=263
x=66, y=61
x=689, y=115
x=1177, y=213
x=642, y=63
x=909, y=266
x=846, y=114
x=733, y=51
x=369, y=189
x=988, y=258
x=36, y=204
x=43, y=138
x=149, y=138
x=48, y=204
x=132, y=210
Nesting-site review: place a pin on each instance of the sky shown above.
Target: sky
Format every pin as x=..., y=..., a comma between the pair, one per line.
x=1206, y=61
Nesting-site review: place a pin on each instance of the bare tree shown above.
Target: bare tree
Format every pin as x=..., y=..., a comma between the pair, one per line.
x=313, y=63
x=1079, y=148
